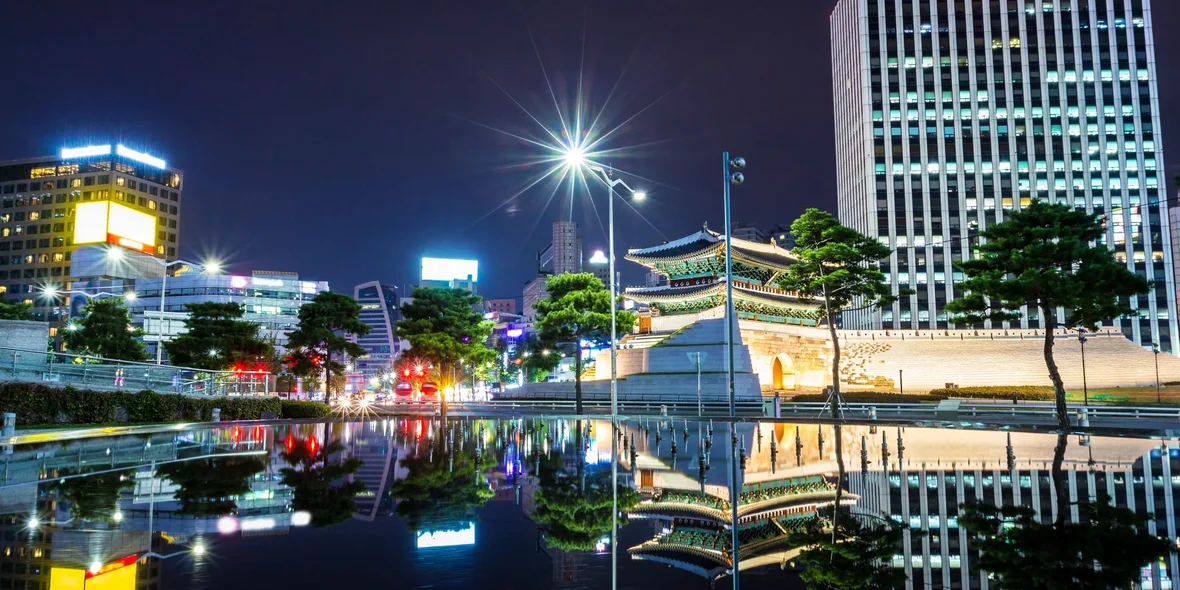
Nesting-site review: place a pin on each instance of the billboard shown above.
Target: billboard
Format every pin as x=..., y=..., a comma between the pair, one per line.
x=100, y=221
x=448, y=269
x=465, y=536
x=119, y=575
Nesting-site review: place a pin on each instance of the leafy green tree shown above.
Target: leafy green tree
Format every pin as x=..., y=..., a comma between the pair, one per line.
x=105, y=331
x=855, y=556
x=1049, y=257
x=95, y=497
x=318, y=486
x=1105, y=549
x=579, y=309
x=444, y=329
x=325, y=326
x=15, y=311
x=443, y=487
x=839, y=266
x=575, y=508
x=538, y=356
x=217, y=338
x=210, y=487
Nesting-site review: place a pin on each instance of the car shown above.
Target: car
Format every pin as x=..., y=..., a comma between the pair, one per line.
x=429, y=391
x=403, y=391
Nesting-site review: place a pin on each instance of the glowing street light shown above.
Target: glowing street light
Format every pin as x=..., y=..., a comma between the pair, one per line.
x=209, y=267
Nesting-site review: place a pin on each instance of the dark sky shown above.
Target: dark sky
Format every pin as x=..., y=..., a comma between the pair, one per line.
x=345, y=140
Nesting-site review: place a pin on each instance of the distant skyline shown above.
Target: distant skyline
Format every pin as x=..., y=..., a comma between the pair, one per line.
x=344, y=143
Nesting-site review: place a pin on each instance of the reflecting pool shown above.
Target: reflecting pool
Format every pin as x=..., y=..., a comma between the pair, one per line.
x=529, y=503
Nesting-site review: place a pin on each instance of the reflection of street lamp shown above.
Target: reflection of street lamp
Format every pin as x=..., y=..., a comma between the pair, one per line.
x=1082, y=342
x=575, y=158
x=210, y=267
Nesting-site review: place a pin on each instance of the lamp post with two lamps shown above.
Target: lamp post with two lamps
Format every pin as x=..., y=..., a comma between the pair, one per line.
x=52, y=292
x=116, y=254
x=575, y=157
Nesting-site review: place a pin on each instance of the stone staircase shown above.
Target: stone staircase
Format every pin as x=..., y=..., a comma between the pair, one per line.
x=632, y=341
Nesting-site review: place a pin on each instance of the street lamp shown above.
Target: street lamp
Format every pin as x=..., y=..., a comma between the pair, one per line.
x=1155, y=349
x=1085, y=389
x=50, y=292
x=731, y=168
x=209, y=267
x=575, y=158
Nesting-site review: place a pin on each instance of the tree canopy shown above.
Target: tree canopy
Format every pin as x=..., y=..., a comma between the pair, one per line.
x=318, y=486
x=105, y=331
x=856, y=557
x=15, y=311
x=217, y=338
x=211, y=487
x=1049, y=257
x=579, y=308
x=444, y=328
x=325, y=325
x=839, y=266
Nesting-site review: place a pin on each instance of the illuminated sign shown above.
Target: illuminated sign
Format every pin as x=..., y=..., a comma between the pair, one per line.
x=85, y=152
x=447, y=538
x=515, y=332
x=99, y=221
x=238, y=282
x=449, y=269
x=117, y=575
x=308, y=287
x=258, y=524
x=131, y=154
x=261, y=282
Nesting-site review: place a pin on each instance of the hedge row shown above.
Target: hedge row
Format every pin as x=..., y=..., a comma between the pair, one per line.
x=1023, y=392
x=34, y=403
x=870, y=397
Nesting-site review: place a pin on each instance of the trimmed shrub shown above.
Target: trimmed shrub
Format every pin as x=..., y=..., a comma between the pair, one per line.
x=1004, y=392
x=36, y=403
x=871, y=397
x=303, y=409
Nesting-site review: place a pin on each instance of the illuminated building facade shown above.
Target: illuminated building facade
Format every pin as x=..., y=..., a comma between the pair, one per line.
x=951, y=115
x=271, y=299
x=95, y=194
x=380, y=310
x=564, y=252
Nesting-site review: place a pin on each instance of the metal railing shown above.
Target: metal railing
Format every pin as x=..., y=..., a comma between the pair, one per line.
x=685, y=409
x=868, y=410
x=103, y=374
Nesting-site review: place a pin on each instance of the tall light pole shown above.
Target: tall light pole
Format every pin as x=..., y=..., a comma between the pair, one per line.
x=1155, y=349
x=575, y=158
x=733, y=176
x=1085, y=389
x=116, y=254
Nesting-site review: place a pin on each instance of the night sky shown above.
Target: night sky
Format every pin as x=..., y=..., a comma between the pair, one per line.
x=344, y=140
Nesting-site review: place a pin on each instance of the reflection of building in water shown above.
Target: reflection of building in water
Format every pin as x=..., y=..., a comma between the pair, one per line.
x=373, y=443
x=685, y=470
x=697, y=536
x=933, y=473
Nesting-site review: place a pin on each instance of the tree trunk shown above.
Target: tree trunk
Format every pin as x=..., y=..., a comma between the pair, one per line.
x=577, y=376
x=835, y=365
x=1059, y=483
x=1054, y=374
x=327, y=373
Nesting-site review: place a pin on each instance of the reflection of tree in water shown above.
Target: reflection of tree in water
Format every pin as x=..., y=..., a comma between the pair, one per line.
x=848, y=552
x=313, y=480
x=210, y=487
x=94, y=497
x=446, y=481
x=576, y=507
x=1105, y=549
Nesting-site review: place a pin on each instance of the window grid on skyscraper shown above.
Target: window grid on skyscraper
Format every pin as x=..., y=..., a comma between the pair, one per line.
x=952, y=113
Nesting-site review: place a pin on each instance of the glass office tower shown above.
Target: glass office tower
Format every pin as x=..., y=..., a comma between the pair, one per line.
x=950, y=114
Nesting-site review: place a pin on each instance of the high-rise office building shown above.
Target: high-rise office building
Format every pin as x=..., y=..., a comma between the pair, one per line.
x=951, y=115
x=94, y=194
x=534, y=290
x=564, y=252
x=380, y=310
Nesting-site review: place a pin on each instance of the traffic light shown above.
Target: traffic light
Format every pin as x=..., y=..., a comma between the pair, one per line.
x=406, y=373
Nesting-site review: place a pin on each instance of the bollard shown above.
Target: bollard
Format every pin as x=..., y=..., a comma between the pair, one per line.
x=216, y=415
x=663, y=410
x=1083, y=418
x=872, y=412
x=9, y=424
